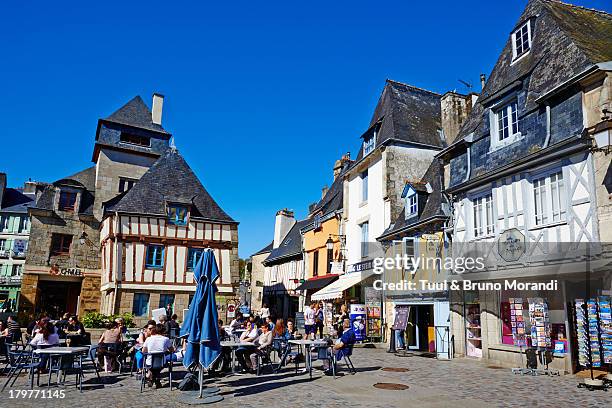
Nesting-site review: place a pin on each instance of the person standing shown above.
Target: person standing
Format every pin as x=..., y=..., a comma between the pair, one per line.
x=319, y=320
x=168, y=311
x=264, y=312
x=309, y=320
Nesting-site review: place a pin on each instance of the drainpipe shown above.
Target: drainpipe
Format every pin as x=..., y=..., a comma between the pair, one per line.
x=547, y=140
x=469, y=164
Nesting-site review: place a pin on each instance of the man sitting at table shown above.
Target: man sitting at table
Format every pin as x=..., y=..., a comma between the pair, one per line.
x=156, y=343
x=343, y=346
x=74, y=332
x=250, y=335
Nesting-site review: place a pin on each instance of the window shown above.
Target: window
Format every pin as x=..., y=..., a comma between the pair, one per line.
x=135, y=139
x=507, y=121
x=410, y=246
x=317, y=222
x=369, y=144
x=315, y=263
x=60, y=244
x=177, y=214
x=364, y=239
x=193, y=256
x=330, y=258
x=166, y=299
x=125, y=184
x=17, y=270
x=24, y=224
x=140, y=307
x=155, y=256
x=412, y=205
x=4, y=222
x=521, y=40
x=293, y=270
x=3, y=245
x=549, y=199
x=364, y=186
x=483, y=216
x=67, y=201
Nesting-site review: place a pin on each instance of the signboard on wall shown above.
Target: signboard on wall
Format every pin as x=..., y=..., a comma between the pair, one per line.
x=57, y=271
x=337, y=267
x=360, y=266
x=231, y=311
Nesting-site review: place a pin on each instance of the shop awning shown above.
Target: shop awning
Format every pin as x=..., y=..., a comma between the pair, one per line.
x=335, y=289
x=317, y=283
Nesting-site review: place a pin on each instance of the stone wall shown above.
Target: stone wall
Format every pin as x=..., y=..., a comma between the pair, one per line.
x=27, y=299
x=90, y=295
x=257, y=275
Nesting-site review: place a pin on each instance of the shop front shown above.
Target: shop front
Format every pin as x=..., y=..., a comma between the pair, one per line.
x=56, y=291
x=553, y=322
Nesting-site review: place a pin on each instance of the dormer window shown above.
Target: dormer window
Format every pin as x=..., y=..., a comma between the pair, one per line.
x=67, y=201
x=412, y=206
x=504, y=124
x=521, y=41
x=369, y=143
x=125, y=184
x=177, y=214
x=317, y=222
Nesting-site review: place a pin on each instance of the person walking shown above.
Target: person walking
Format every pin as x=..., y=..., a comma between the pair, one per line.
x=319, y=320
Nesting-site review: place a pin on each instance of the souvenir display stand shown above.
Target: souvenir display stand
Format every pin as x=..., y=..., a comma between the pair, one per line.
x=594, y=328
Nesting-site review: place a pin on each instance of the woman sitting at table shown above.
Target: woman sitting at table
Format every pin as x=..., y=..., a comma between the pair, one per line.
x=250, y=335
x=142, y=337
x=109, y=346
x=45, y=337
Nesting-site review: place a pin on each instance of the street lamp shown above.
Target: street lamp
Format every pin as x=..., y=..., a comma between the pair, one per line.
x=329, y=244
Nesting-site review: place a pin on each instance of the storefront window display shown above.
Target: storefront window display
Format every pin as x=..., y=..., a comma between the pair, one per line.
x=472, y=324
x=515, y=314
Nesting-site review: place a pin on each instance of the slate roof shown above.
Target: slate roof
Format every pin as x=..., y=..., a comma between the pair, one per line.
x=433, y=205
x=266, y=249
x=84, y=179
x=333, y=199
x=407, y=113
x=290, y=246
x=14, y=201
x=135, y=113
x=170, y=179
x=567, y=40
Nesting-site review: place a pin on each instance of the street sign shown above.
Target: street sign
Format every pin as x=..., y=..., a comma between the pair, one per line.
x=231, y=310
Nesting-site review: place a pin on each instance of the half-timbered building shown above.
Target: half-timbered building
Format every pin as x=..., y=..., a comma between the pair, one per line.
x=523, y=180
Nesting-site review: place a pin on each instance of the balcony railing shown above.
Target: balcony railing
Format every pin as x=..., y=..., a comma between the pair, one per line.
x=7, y=280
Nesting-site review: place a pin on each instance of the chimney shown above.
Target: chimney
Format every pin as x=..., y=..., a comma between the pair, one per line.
x=158, y=105
x=324, y=191
x=339, y=165
x=283, y=223
x=29, y=187
x=483, y=80
x=311, y=208
x=455, y=109
x=2, y=186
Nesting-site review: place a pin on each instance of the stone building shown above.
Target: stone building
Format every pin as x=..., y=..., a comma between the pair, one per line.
x=14, y=238
x=400, y=143
x=529, y=187
x=152, y=237
x=62, y=269
x=257, y=276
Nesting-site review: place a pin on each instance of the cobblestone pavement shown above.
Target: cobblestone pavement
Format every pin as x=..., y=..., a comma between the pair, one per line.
x=432, y=383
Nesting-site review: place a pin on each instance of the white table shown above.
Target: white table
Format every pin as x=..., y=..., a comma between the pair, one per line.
x=308, y=344
x=63, y=351
x=234, y=345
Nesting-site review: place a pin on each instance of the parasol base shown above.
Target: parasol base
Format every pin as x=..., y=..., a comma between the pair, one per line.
x=193, y=397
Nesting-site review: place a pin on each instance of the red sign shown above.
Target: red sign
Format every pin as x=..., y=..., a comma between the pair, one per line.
x=231, y=310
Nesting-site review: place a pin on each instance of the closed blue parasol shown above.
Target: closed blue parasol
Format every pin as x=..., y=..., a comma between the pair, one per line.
x=200, y=325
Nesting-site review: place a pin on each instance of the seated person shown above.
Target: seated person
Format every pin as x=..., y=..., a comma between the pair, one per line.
x=250, y=335
x=45, y=337
x=137, y=349
x=264, y=341
x=343, y=346
x=293, y=332
x=173, y=326
x=74, y=332
x=156, y=343
x=109, y=346
x=222, y=333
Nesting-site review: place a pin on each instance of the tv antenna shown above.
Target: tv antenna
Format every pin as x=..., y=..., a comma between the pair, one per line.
x=467, y=85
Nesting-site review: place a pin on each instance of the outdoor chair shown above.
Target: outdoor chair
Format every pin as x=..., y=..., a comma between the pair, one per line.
x=264, y=359
x=157, y=361
x=20, y=361
x=347, y=361
x=111, y=351
x=67, y=364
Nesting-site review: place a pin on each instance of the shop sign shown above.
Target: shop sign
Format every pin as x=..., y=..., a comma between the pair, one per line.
x=57, y=271
x=358, y=321
x=360, y=266
x=231, y=310
x=511, y=245
x=337, y=267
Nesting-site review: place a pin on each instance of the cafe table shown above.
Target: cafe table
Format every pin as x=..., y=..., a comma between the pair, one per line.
x=54, y=352
x=234, y=345
x=308, y=344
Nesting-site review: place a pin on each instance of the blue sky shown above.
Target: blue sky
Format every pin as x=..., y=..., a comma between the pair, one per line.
x=262, y=97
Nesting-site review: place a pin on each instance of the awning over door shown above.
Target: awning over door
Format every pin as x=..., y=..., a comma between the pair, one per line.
x=335, y=289
x=313, y=284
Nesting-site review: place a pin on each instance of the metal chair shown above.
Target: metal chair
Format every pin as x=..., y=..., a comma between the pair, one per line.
x=20, y=361
x=264, y=358
x=346, y=356
x=155, y=361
